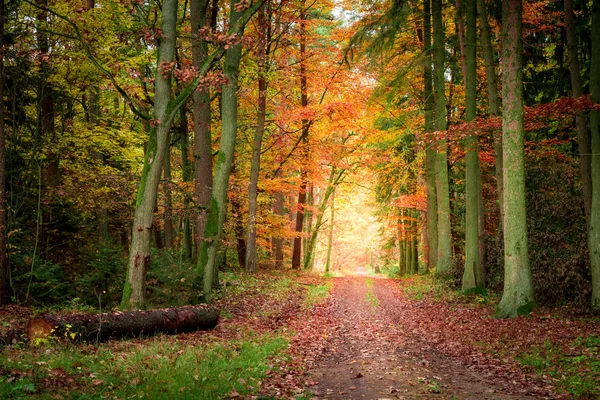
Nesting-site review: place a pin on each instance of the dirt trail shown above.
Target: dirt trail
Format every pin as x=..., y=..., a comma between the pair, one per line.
x=370, y=356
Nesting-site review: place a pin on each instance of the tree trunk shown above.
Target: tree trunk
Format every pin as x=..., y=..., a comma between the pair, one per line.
x=585, y=150
x=101, y=327
x=518, y=289
x=335, y=177
x=186, y=177
x=472, y=271
x=493, y=100
x=203, y=172
x=216, y=215
x=257, y=144
x=139, y=253
x=168, y=214
x=278, y=208
x=430, y=154
x=330, y=237
x=4, y=293
x=236, y=211
x=444, y=256
x=594, y=236
x=297, y=250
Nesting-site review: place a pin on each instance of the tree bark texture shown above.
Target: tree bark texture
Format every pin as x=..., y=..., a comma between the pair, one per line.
x=518, y=289
x=168, y=212
x=594, y=235
x=4, y=287
x=583, y=138
x=186, y=177
x=101, y=327
x=203, y=165
x=430, y=154
x=472, y=272
x=158, y=144
x=444, y=257
x=297, y=250
x=493, y=99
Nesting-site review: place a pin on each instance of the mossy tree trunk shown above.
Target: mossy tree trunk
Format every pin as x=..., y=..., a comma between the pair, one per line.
x=444, y=255
x=518, y=293
x=207, y=261
x=472, y=272
x=594, y=235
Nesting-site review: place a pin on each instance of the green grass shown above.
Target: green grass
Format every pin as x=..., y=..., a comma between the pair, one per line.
x=316, y=294
x=372, y=299
x=160, y=368
x=576, y=371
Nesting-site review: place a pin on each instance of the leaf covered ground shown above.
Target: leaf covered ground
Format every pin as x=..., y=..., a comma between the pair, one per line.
x=290, y=335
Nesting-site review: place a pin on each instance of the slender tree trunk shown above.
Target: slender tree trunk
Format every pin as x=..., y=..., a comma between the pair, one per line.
x=414, y=257
x=216, y=215
x=186, y=177
x=594, y=236
x=472, y=272
x=168, y=214
x=580, y=120
x=330, y=238
x=258, y=135
x=444, y=257
x=297, y=250
x=203, y=174
x=4, y=287
x=493, y=99
x=236, y=211
x=139, y=254
x=430, y=154
x=278, y=208
x=518, y=288
x=335, y=178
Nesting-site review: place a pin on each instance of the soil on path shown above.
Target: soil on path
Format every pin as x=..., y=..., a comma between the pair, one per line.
x=370, y=356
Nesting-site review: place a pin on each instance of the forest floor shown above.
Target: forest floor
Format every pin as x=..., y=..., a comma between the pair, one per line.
x=302, y=336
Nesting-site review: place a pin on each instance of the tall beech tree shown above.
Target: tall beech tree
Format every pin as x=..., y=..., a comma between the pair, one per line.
x=518, y=288
x=594, y=233
x=444, y=256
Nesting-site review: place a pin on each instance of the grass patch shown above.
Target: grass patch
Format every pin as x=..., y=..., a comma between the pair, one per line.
x=575, y=369
x=372, y=299
x=316, y=294
x=160, y=368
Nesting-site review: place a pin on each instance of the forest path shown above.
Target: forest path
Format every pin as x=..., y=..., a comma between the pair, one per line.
x=370, y=356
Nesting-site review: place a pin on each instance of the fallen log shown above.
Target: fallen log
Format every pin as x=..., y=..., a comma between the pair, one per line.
x=101, y=327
